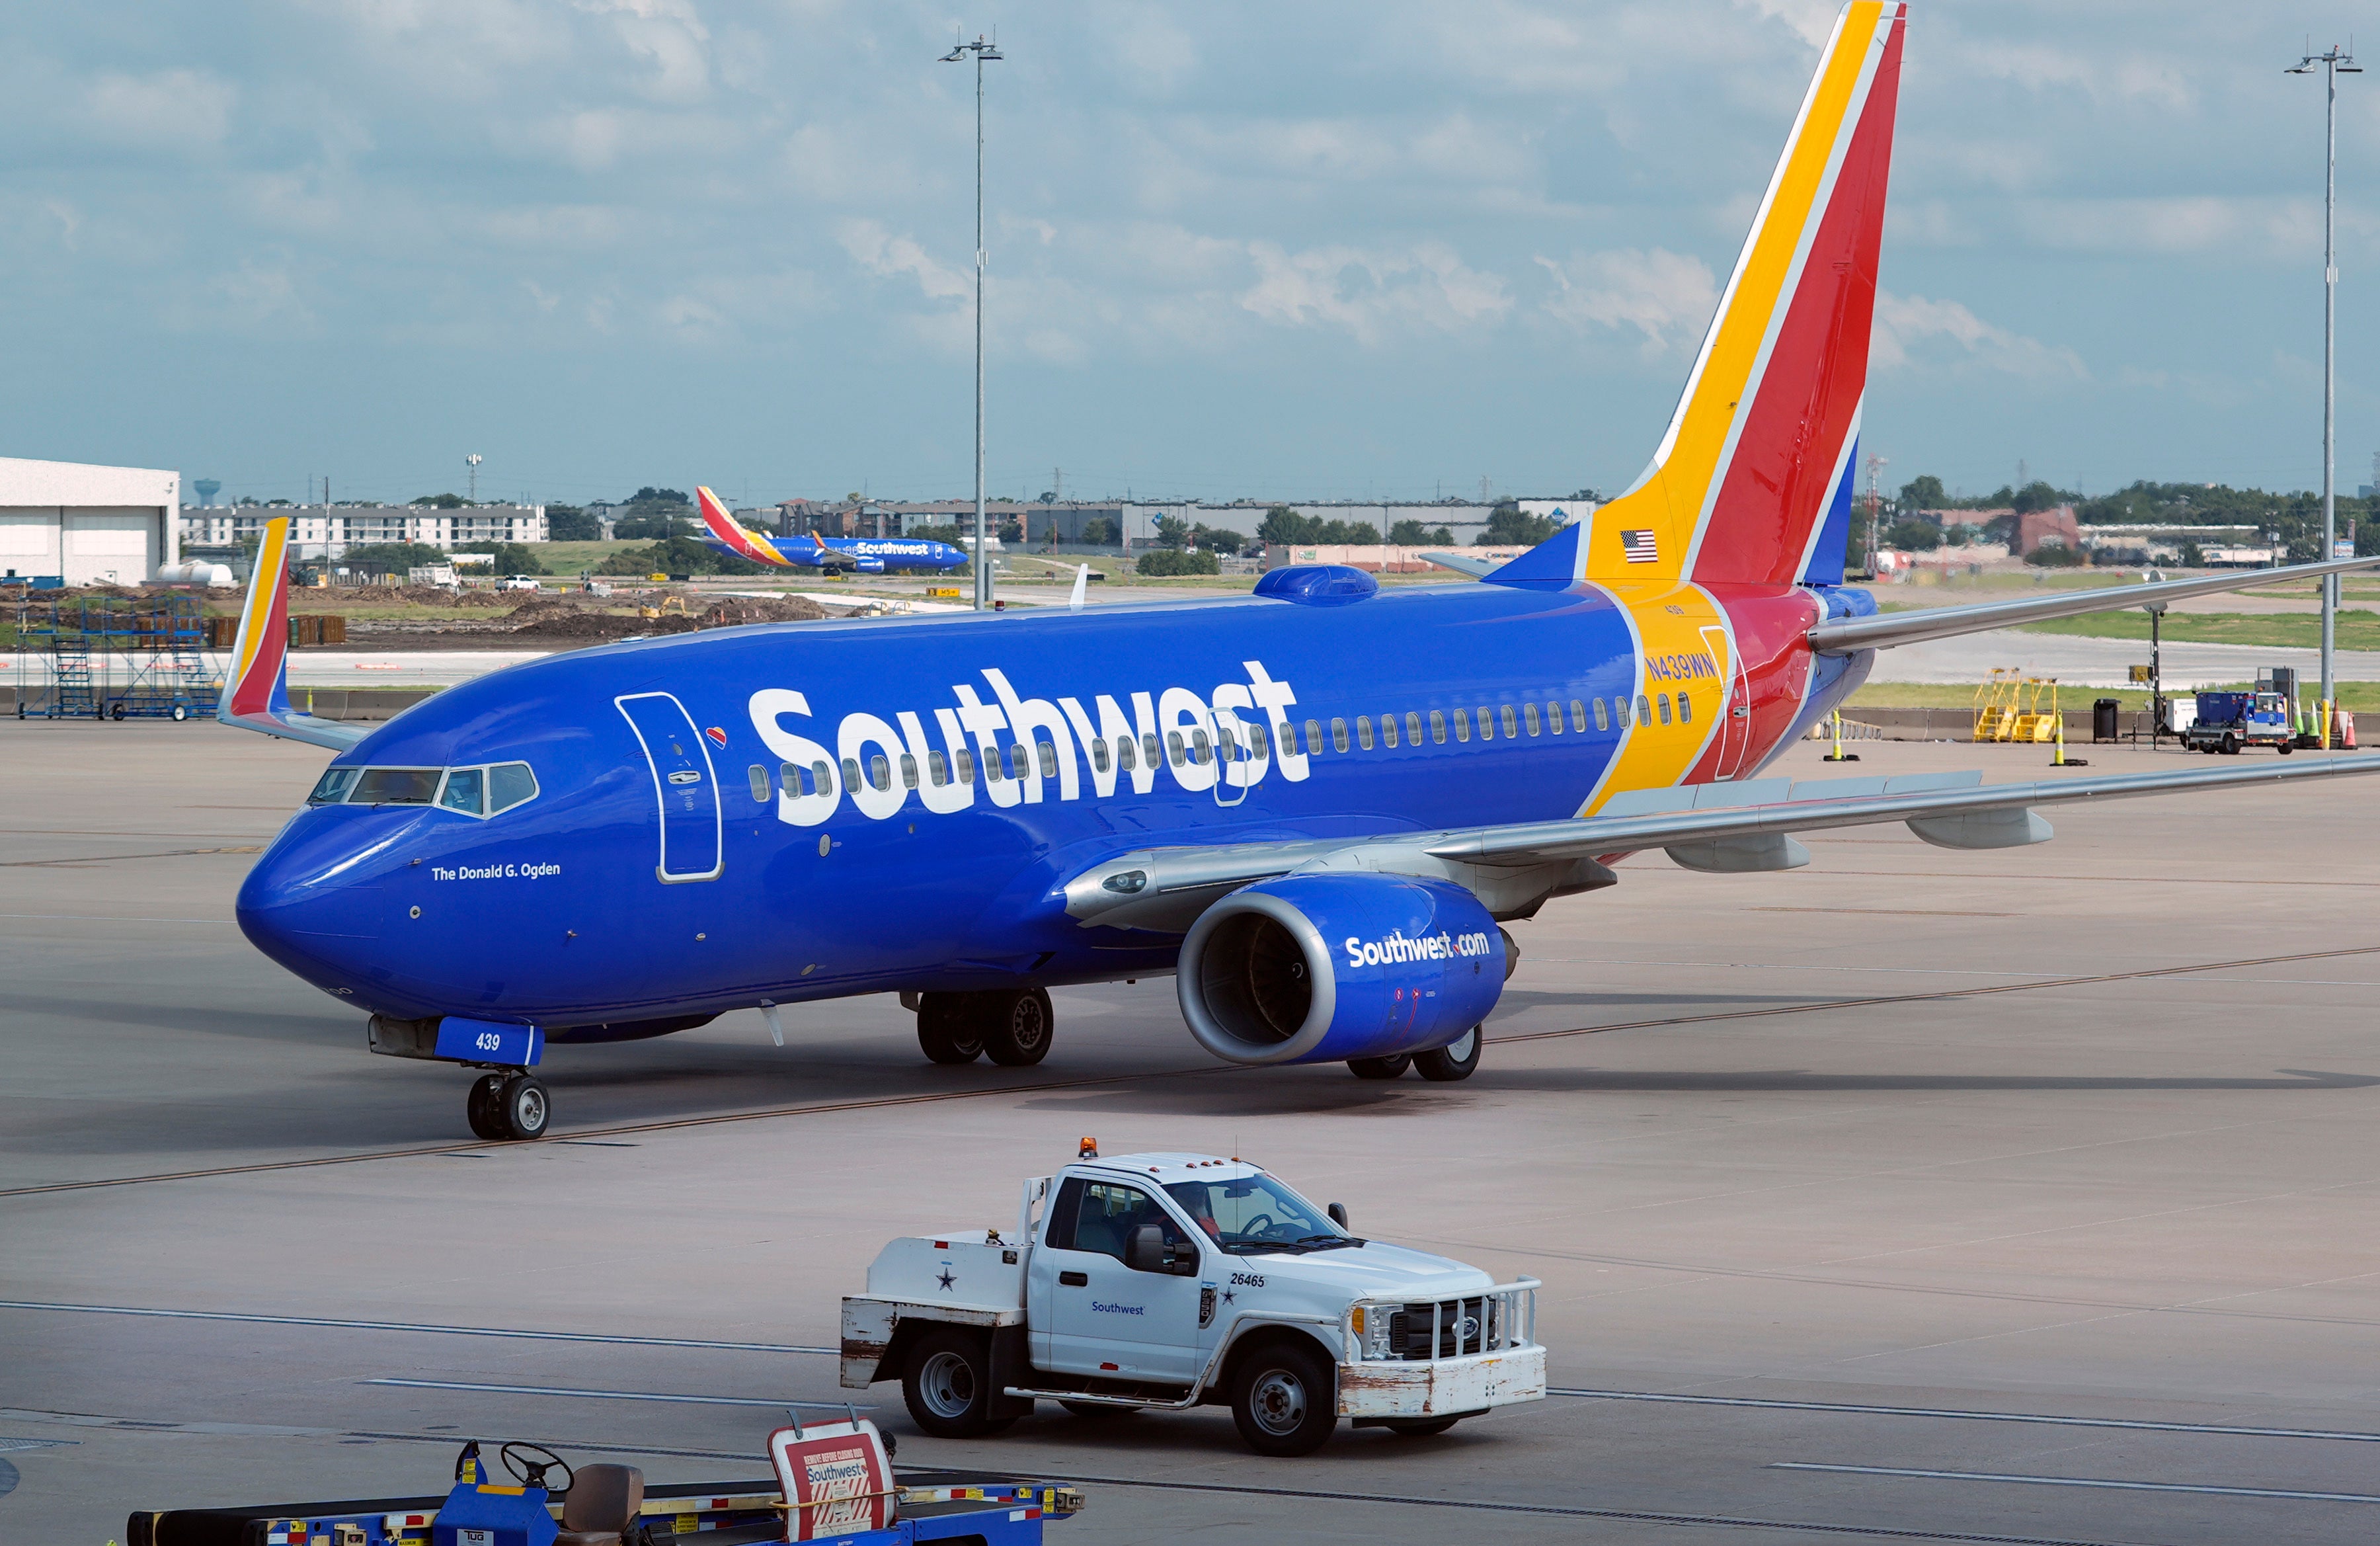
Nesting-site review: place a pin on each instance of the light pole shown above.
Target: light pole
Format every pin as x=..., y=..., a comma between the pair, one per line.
x=984, y=53
x=2333, y=62
x=471, y=461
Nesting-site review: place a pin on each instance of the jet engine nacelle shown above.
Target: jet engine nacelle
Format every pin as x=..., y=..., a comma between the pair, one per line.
x=1318, y=968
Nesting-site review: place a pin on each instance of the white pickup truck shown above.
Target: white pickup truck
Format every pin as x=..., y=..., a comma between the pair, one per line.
x=1172, y=1281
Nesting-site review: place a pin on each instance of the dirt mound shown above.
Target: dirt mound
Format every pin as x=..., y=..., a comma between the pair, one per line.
x=729, y=612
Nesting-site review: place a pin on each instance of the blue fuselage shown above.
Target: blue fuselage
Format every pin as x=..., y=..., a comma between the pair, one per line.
x=776, y=812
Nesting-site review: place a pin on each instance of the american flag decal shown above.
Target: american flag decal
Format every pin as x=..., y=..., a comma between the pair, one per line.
x=1639, y=547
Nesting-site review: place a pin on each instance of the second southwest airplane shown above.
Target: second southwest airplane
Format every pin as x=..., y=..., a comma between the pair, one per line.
x=1316, y=805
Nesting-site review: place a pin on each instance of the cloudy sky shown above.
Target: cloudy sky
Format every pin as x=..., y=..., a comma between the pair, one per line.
x=1308, y=251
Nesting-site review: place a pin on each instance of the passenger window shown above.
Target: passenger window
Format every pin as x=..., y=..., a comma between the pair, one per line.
x=938, y=768
x=966, y=766
x=1686, y=709
x=1511, y=723
x=464, y=787
x=1462, y=724
x=1644, y=710
x=790, y=775
x=1363, y=731
x=1100, y=755
x=1437, y=727
x=851, y=773
x=396, y=786
x=1339, y=735
x=1110, y=1214
x=332, y=786
x=1019, y=761
x=1201, y=750
x=1256, y=741
x=1173, y=745
x=1123, y=753
x=1389, y=731
x=1620, y=712
x=1578, y=715
x=1664, y=702
x=879, y=772
x=1149, y=748
x=1600, y=722
x=908, y=772
x=1487, y=726
x=1529, y=715
x=1413, y=729
x=1314, y=737
x=757, y=774
x=1049, y=759
x=510, y=783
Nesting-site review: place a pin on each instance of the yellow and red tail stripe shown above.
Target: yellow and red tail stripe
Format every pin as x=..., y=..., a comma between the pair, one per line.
x=258, y=684
x=731, y=532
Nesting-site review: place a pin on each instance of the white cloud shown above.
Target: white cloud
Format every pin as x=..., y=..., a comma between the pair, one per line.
x=1371, y=294
x=1667, y=297
x=882, y=253
x=169, y=110
x=1909, y=324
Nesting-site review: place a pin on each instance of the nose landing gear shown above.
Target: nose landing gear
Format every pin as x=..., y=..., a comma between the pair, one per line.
x=509, y=1107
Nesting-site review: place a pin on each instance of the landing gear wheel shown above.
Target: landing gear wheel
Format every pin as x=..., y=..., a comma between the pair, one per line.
x=947, y=1386
x=1097, y=1409
x=1380, y=1067
x=523, y=1108
x=480, y=1107
x=945, y=1028
x=1016, y=1027
x=1454, y=1061
x=1418, y=1428
x=1284, y=1401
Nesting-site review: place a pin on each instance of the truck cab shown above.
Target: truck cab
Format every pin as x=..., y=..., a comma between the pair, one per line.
x=1174, y=1280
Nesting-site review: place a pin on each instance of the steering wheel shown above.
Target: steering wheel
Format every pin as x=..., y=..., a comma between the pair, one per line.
x=531, y=1472
x=1257, y=1225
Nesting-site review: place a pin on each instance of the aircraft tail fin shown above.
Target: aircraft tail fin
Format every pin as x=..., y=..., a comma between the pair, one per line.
x=256, y=690
x=733, y=535
x=1752, y=483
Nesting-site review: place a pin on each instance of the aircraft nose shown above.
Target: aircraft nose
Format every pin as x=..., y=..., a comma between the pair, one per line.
x=310, y=905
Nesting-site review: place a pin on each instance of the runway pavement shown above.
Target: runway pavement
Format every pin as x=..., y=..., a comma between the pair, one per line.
x=2017, y=1195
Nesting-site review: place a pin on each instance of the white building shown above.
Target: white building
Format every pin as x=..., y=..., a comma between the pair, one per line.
x=328, y=531
x=89, y=525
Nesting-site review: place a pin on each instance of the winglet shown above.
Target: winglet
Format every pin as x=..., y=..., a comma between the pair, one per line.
x=731, y=534
x=256, y=696
x=1082, y=584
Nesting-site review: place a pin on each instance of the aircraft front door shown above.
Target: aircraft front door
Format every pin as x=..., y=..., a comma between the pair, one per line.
x=684, y=783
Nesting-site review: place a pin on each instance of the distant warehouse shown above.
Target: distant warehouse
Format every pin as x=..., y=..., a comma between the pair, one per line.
x=329, y=531
x=86, y=525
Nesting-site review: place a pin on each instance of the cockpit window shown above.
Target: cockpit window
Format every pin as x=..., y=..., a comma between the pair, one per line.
x=463, y=789
x=395, y=787
x=468, y=791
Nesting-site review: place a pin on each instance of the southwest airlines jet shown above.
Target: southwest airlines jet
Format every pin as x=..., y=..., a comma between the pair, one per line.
x=869, y=555
x=1316, y=806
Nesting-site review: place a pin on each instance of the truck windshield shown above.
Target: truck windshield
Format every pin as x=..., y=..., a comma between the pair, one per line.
x=1249, y=1214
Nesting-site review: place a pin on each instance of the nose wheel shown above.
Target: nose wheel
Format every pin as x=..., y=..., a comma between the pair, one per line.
x=509, y=1107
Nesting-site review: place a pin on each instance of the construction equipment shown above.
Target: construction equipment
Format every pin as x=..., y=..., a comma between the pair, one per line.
x=651, y=613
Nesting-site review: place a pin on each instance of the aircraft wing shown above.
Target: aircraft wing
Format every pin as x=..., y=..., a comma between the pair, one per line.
x=1850, y=635
x=257, y=696
x=1478, y=569
x=1716, y=827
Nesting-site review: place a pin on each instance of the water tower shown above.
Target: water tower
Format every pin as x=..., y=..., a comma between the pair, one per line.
x=208, y=488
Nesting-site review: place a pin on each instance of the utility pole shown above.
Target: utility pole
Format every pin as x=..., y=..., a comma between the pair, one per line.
x=473, y=461
x=1875, y=466
x=984, y=53
x=2333, y=62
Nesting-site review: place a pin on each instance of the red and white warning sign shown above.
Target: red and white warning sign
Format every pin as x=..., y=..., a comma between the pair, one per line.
x=836, y=1476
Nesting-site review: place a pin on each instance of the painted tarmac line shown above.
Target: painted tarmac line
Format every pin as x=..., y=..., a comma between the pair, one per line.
x=514, y=1333
x=600, y=1396
x=2043, y=1418
x=2194, y=1489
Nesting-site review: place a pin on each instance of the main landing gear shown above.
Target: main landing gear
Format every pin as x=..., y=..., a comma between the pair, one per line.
x=505, y=1107
x=1011, y=1026
x=1457, y=1060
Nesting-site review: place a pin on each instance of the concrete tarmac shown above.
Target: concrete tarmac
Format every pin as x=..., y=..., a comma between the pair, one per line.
x=2020, y=1196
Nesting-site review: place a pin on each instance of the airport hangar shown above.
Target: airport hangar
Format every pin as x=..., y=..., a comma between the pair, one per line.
x=86, y=525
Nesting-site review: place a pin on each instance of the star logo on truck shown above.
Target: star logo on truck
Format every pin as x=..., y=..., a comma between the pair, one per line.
x=945, y=1277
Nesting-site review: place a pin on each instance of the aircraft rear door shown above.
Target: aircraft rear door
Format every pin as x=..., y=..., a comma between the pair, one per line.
x=1735, y=707
x=684, y=783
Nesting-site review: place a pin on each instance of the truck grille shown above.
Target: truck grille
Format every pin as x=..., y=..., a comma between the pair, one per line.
x=1463, y=1328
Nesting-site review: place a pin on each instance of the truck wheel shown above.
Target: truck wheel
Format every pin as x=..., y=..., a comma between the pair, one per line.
x=2231, y=744
x=1454, y=1061
x=2285, y=748
x=1016, y=1027
x=1285, y=1399
x=948, y=1385
x=945, y=1029
x=1418, y=1428
x=1380, y=1067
